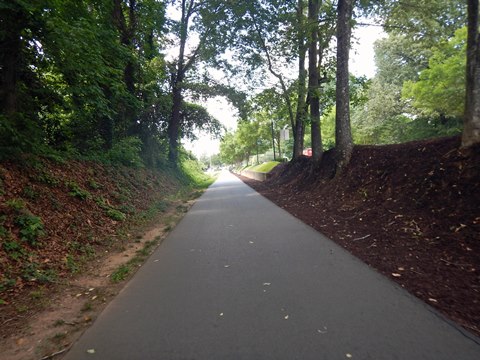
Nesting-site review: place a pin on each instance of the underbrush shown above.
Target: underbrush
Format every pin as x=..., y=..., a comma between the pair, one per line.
x=57, y=215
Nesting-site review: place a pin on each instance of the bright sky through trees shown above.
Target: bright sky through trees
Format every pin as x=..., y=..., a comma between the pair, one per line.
x=362, y=62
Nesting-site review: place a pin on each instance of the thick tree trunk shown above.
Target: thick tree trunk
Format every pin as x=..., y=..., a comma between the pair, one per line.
x=471, y=126
x=174, y=124
x=299, y=129
x=177, y=85
x=343, y=133
x=314, y=80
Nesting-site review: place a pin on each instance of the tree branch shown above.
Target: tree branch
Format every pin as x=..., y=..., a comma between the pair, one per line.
x=285, y=93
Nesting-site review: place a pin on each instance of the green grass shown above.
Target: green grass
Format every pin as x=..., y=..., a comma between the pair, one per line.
x=265, y=167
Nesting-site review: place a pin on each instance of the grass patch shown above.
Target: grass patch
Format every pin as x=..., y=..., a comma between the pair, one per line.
x=265, y=167
x=124, y=270
x=121, y=273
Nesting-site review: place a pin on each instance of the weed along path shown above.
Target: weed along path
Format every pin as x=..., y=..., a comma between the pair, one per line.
x=240, y=278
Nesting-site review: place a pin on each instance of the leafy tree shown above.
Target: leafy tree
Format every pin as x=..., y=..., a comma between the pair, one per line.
x=209, y=20
x=21, y=89
x=440, y=88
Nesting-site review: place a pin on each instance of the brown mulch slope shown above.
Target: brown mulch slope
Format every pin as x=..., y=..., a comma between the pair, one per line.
x=412, y=211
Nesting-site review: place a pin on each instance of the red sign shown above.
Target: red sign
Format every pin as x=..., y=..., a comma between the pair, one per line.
x=307, y=152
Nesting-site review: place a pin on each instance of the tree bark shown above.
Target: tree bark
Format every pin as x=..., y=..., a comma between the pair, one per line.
x=299, y=128
x=314, y=80
x=343, y=133
x=471, y=126
x=177, y=84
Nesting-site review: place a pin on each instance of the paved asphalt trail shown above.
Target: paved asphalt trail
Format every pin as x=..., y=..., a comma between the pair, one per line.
x=240, y=278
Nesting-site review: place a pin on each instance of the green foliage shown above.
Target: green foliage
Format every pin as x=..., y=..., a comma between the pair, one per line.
x=121, y=273
x=6, y=284
x=31, y=228
x=265, y=167
x=195, y=118
x=87, y=251
x=92, y=184
x=13, y=249
x=32, y=271
x=30, y=193
x=16, y=204
x=191, y=172
x=71, y=264
x=440, y=89
x=127, y=152
x=116, y=215
x=102, y=203
x=162, y=205
x=46, y=178
x=77, y=191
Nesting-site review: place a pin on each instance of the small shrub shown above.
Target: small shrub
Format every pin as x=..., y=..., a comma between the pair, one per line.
x=7, y=284
x=77, y=191
x=127, y=209
x=16, y=204
x=46, y=178
x=102, y=203
x=31, y=228
x=116, y=215
x=86, y=250
x=30, y=193
x=32, y=272
x=13, y=249
x=162, y=205
x=92, y=184
x=71, y=264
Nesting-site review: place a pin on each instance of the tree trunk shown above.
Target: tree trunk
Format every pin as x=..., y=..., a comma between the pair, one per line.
x=314, y=80
x=127, y=30
x=299, y=129
x=343, y=133
x=471, y=126
x=174, y=124
x=177, y=85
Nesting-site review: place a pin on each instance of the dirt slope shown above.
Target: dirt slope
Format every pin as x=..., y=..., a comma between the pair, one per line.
x=56, y=218
x=411, y=211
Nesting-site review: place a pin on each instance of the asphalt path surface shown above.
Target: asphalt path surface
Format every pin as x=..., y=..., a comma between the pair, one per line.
x=240, y=278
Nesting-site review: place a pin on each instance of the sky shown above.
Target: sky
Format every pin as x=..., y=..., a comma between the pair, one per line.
x=361, y=63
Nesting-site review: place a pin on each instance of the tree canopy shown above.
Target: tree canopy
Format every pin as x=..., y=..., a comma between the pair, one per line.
x=87, y=77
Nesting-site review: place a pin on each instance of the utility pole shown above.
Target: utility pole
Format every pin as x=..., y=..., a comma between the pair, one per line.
x=273, y=143
x=258, y=143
